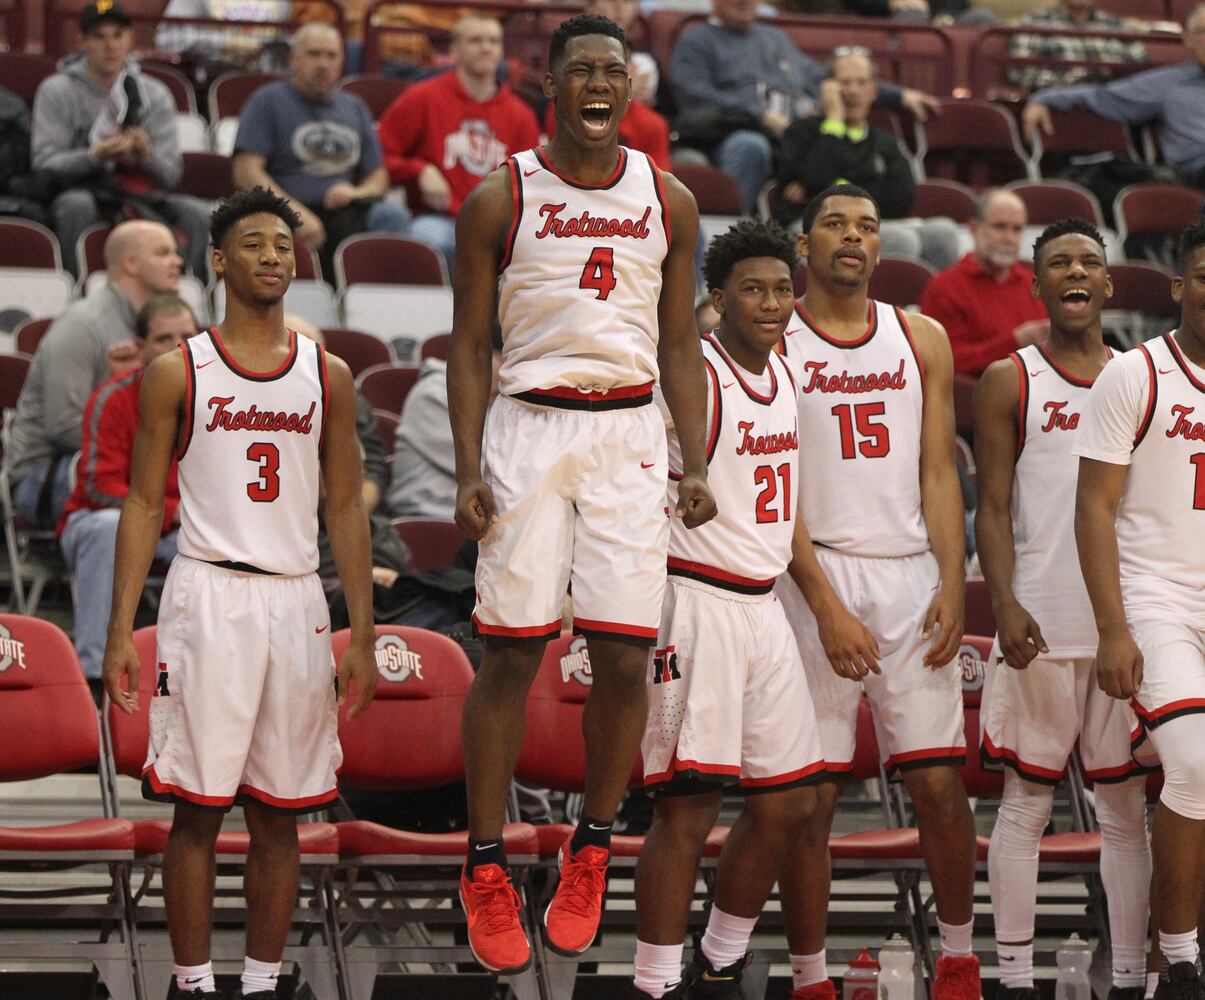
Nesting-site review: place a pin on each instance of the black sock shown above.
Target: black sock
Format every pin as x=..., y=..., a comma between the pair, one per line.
x=485, y=852
x=590, y=832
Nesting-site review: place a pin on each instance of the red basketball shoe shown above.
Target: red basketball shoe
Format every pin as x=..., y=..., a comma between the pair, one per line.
x=571, y=920
x=826, y=989
x=957, y=978
x=491, y=907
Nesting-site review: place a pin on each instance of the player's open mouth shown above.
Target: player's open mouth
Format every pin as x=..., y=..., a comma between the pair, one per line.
x=597, y=116
x=1076, y=300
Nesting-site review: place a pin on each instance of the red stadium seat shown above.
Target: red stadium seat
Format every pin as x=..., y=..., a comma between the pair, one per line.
x=899, y=281
x=936, y=197
x=361, y=351
x=175, y=81
x=973, y=656
x=979, y=618
x=1050, y=201
x=228, y=94
x=23, y=72
x=432, y=544
x=1141, y=288
x=424, y=678
x=385, y=259
x=208, y=176
x=387, y=428
x=715, y=192
x=1078, y=133
x=378, y=92
x=90, y=248
x=49, y=723
x=28, y=244
x=964, y=405
x=387, y=386
x=436, y=347
x=30, y=333
x=972, y=141
x=1155, y=214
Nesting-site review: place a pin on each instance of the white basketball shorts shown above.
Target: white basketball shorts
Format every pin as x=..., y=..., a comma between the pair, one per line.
x=581, y=504
x=1173, y=673
x=917, y=711
x=728, y=698
x=244, y=701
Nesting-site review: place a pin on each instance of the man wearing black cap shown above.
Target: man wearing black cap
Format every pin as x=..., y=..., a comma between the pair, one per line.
x=106, y=135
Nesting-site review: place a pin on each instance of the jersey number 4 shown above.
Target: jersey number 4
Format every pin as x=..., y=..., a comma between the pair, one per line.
x=266, y=488
x=599, y=273
x=875, y=443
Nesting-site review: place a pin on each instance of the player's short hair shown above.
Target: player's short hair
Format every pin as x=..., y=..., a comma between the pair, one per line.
x=1191, y=240
x=576, y=27
x=842, y=190
x=1066, y=227
x=158, y=306
x=251, y=202
x=747, y=238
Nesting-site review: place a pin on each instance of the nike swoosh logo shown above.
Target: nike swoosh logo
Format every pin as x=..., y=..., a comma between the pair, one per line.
x=204, y=363
x=193, y=979
x=484, y=847
x=647, y=465
x=709, y=978
x=1037, y=373
x=593, y=827
x=728, y=385
x=528, y=173
x=1167, y=371
x=319, y=631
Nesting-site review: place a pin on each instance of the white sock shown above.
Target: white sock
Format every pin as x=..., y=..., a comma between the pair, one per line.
x=955, y=938
x=1152, y=981
x=194, y=977
x=727, y=938
x=809, y=969
x=658, y=968
x=1016, y=964
x=1125, y=872
x=1179, y=947
x=259, y=976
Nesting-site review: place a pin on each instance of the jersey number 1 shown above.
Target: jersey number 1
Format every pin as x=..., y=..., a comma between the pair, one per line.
x=1198, y=493
x=599, y=273
x=266, y=488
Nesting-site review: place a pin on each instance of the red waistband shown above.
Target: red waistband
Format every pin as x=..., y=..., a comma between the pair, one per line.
x=570, y=392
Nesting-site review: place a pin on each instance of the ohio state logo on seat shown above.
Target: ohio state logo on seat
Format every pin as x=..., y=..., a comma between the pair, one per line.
x=396, y=661
x=970, y=662
x=11, y=650
x=575, y=664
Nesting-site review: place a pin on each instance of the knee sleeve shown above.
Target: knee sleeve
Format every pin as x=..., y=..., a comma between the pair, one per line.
x=1125, y=870
x=1180, y=744
x=1012, y=860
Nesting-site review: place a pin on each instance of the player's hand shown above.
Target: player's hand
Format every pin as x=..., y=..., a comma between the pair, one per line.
x=1036, y=118
x=338, y=195
x=1119, y=665
x=121, y=660
x=944, y=624
x=434, y=187
x=1020, y=638
x=357, y=668
x=696, y=505
x=848, y=644
x=919, y=103
x=475, y=509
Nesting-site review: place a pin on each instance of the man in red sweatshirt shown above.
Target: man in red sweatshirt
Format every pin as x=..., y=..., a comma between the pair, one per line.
x=88, y=530
x=442, y=136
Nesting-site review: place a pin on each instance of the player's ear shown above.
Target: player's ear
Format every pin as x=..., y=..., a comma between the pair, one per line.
x=1036, y=292
x=1177, y=289
x=717, y=300
x=218, y=260
x=801, y=247
x=1108, y=287
x=549, y=86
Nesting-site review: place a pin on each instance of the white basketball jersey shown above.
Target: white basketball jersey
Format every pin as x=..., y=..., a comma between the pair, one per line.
x=581, y=277
x=1046, y=575
x=860, y=405
x=249, y=461
x=753, y=471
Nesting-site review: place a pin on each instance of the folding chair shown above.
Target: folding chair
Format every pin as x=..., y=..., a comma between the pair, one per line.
x=431, y=543
x=387, y=386
x=49, y=724
x=386, y=259
x=125, y=743
x=937, y=197
x=387, y=428
x=900, y=281
x=1155, y=214
x=436, y=347
x=208, y=176
x=360, y=350
x=397, y=881
x=972, y=141
x=979, y=618
x=1049, y=201
x=378, y=92
x=403, y=316
x=29, y=334
x=28, y=244
x=718, y=197
x=1141, y=304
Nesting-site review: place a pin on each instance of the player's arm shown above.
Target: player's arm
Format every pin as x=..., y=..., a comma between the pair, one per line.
x=141, y=522
x=346, y=523
x=997, y=399
x=941, y=498
x=848, y=644
x=481, y=229
x=680, y=356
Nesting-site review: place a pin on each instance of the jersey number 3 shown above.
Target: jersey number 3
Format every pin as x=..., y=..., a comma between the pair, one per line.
x=266, y=488
x=599, y=273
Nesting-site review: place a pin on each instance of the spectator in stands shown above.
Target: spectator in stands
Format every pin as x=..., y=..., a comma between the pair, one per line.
x=232, y=47
x=105, y=136
x=923, y=11
x=442, y=136
x=88, y=530
x=1066, y=51
x=740, y=83
x=986, y=300
x=141, y=262
x=1170, y=96
x=841, y=145
x=308, y=141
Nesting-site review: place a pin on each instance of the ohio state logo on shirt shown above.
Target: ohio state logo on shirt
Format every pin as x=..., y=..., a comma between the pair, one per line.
x=475, y=147
x=591, y=226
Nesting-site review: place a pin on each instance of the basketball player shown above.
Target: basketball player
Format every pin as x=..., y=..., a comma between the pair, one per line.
x=586, y=252
x=243, y=708
x=1027, y=416
x=1140, y=531
x=884, y=577
x=728, y=699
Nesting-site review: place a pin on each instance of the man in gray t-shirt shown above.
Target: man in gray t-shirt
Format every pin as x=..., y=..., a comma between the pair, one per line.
x=318, y=147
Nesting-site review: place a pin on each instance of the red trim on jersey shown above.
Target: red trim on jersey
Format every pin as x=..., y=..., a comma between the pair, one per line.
x=872, y=325
x=324, y=381
x=1108, y=775
x=713, y=430
x=1185, y=706
x=161, y=787
x=516, y=193
x=841, y=767
x=548, y=631
x=1183, y=363
x=1022, y=399
x=757, y=397
x=569, y=392
x=935, y=755
x=719, y=577
x=1065, y=375
x=308, y=801
x=785, y=779
x=190, y=396
x=615, y=628
x=787, y=369
x=920, y=367
x=660, y=189
x=1145, y=424
x=1034, y=772
x=610, y=182
x=678, y=766
x=238, y=369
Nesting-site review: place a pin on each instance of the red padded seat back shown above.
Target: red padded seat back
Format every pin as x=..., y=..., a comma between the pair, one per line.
x=128, y=734
x=979, y=781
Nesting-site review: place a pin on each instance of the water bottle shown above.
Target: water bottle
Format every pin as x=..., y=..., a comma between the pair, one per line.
x=896, y=979
x=861, y=979
x=1073, y=958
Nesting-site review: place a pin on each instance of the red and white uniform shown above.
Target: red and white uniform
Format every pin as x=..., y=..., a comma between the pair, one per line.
x=244, y=705
x=1027, y=720
x=1147, y=411
x=575, y=457
x=728, y=699
x=860, y=415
